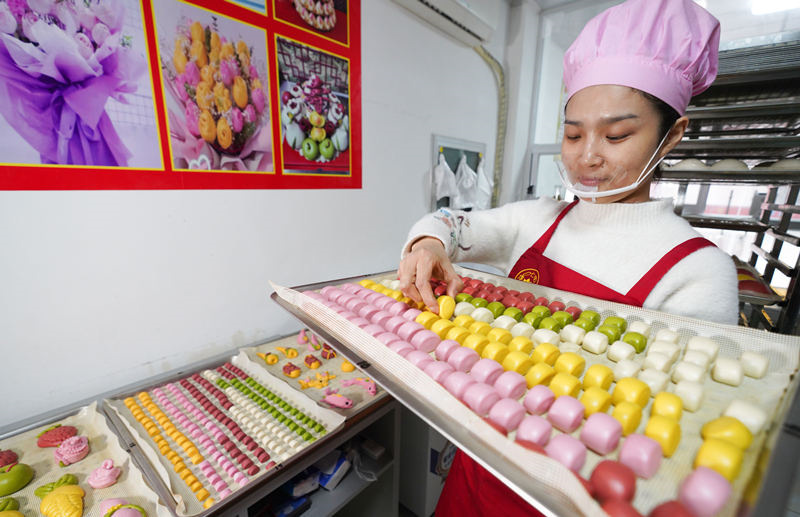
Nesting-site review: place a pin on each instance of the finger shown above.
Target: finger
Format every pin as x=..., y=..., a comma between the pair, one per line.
x=423, y=285
x=406, y=272
x=454, y=283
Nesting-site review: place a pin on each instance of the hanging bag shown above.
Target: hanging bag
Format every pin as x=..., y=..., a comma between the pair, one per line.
x=466, y=185
x=483, y=198
x=444, y=180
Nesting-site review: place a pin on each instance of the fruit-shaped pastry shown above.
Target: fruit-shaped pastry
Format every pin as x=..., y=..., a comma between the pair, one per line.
x=62, y=498
x=8, y=504
x=14, y=477
x=53, y=436
x=312, y=362
x=291, y=370
x=8, y=457
x=268, y=358
x=328, y=352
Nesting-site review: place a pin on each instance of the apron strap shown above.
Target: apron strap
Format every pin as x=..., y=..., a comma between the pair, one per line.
x=645, y=285
x=541, y=244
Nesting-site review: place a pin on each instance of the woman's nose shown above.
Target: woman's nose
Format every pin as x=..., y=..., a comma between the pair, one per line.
x=592, y=156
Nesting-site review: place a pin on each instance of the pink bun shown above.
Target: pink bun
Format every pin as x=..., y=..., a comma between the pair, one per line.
x=408, y=329
x=425, y=341
x=445, y=348
x=457, y=383
x=486, y=370
x=439, y=371
x=539, y=399
x=401, y=347
x=510, y=385
x=373, y=329
x=368, y=311
x=419, y=359
x=507, y=413
x=360, y=322
x=480, y=397
x=381, y=317
x=601, y=433
x=463, y=358
x=411, y=314
x=566, y=413
x=397, y=308
x=567, y=450
x=387, y=338
x=394, y=323
x=536, y=429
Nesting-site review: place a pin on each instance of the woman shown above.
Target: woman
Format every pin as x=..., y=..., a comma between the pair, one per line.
x=629, y=77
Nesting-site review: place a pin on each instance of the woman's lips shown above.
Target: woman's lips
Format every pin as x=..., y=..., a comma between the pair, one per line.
x=590, y=182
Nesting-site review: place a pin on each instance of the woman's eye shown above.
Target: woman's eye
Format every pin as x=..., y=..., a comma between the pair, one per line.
x=572, y=137
x=617, y=138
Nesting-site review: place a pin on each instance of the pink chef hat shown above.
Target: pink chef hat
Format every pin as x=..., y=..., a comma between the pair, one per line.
x=667, y=48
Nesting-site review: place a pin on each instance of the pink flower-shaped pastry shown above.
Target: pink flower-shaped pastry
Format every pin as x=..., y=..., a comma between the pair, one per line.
x=191, y=74
x=250, y=113
x=192, y=114
x=228, y=71
x=72, y=450
x=237, y=120
x=104, y=475
x=259, y=100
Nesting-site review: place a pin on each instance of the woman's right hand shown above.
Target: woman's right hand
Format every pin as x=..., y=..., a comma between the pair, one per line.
x=427, y=259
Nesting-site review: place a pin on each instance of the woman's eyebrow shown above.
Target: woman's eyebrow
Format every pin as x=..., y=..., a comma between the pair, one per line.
x=605, y=121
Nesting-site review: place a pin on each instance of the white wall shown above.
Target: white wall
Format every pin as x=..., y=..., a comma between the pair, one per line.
x=101, y=289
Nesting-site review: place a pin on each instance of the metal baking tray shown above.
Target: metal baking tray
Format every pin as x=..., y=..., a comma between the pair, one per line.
x=258, y=487
x=104, y=443
x=535, y=492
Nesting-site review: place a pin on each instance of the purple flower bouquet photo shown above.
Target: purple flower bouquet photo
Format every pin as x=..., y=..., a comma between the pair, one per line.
x=62, y=63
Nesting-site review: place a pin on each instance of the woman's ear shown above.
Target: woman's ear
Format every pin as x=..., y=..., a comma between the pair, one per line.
x=675, y=134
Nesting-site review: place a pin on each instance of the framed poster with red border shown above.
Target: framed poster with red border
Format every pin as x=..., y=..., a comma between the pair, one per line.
x=180, y=94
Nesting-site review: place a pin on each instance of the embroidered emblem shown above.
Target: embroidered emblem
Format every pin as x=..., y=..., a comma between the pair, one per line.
x=529, y=275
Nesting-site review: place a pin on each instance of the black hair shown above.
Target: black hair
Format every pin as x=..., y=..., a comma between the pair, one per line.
x=666, y=113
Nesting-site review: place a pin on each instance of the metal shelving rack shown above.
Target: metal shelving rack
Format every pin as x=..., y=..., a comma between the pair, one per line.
x=751, y=113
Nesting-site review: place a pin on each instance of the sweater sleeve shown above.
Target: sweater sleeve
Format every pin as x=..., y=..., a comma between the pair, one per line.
x=703, y=285
x=485, y=236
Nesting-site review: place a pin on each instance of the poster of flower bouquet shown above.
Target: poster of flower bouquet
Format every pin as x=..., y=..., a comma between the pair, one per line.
x=315, y=121
x=212, y=67
x=68, y=68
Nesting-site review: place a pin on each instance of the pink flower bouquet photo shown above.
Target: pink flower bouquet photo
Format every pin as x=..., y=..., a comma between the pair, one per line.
x=216, y=96
x=62, y=63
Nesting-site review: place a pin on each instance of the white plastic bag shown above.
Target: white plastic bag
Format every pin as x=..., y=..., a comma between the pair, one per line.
x=466, y=184
x=444, y=180
x=483, y=198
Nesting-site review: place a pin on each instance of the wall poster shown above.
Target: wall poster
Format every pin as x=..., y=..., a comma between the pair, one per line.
x=180, y=94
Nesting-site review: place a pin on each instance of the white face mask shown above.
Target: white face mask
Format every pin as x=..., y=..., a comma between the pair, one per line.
x=584, y=191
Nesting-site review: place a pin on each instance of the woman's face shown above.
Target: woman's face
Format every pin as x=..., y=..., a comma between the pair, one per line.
x=610, y=133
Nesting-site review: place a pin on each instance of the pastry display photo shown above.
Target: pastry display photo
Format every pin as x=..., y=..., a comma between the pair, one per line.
x=216, y=98
x=315, y=121
x=328, y=18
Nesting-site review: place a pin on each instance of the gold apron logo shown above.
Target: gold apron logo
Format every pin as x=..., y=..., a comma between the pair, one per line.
x=529, y=275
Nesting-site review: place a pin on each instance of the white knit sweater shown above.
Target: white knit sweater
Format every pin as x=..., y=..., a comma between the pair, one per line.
x=614, y=244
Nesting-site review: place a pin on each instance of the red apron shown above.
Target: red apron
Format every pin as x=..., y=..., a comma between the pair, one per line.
x=470, y=489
